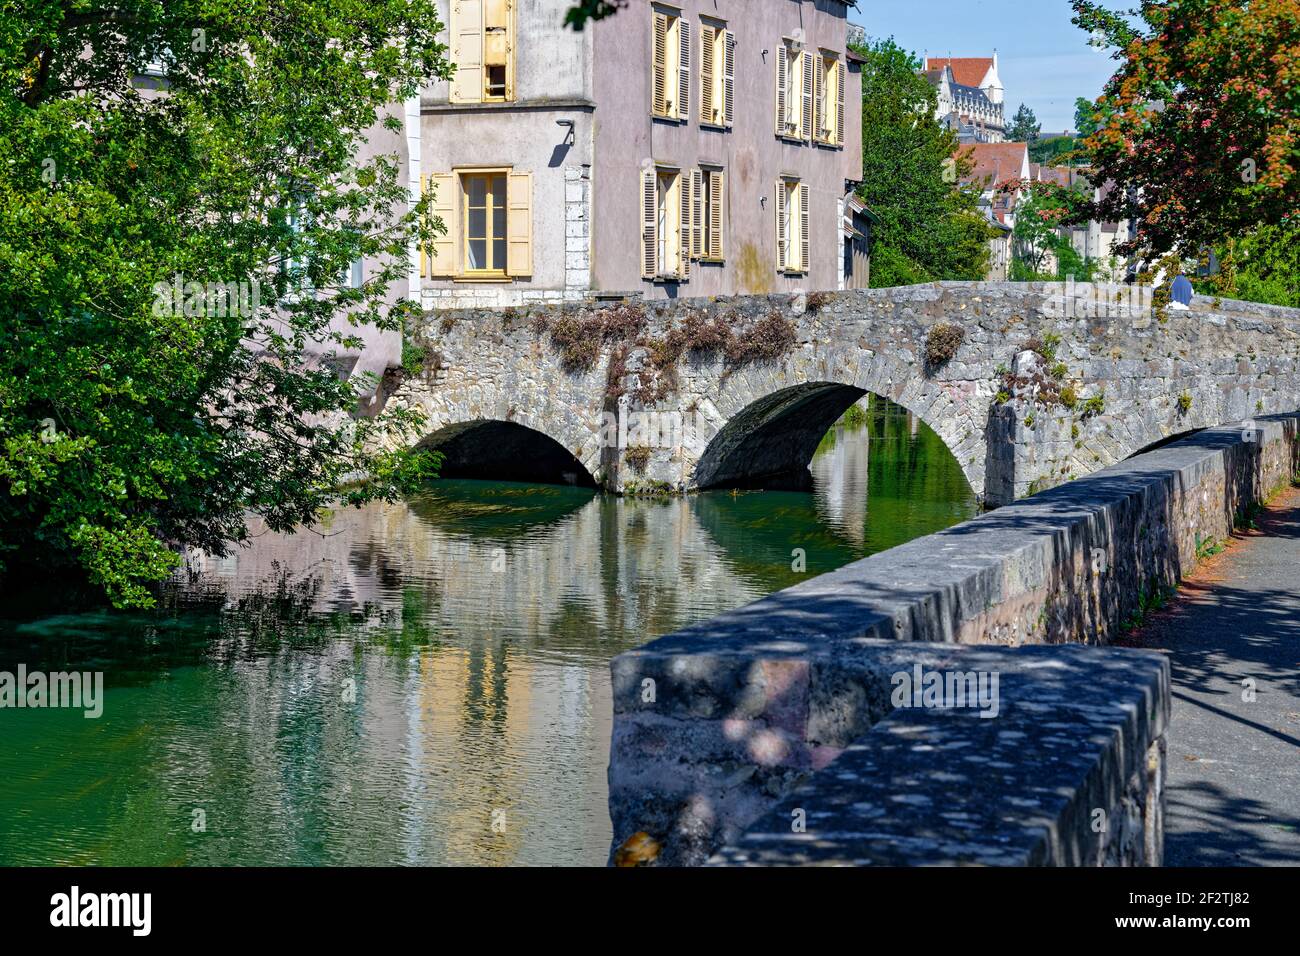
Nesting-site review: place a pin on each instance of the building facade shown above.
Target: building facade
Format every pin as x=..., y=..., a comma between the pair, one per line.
x=706, y=147
x=971, y=97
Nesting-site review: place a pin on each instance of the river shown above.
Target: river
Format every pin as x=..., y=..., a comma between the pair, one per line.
x=417, y=683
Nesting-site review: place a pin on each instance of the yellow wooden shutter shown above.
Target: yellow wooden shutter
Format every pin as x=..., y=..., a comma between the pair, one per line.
x=820, y=118
x=804, y=258
x=780, y=224
x=519, y=224
x=782, y=80
x=697, y=214
x=716, y=183
x=659, y=80
x=649, y=238
x=806, y=63
x=841, y=78
x=684, y=237
x=728, y=77
x=708, y=37
x=441, y=252
x=467, y=51
x=683, y=110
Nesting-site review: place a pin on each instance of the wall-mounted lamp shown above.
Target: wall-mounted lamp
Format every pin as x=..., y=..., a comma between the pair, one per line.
x=568, y=136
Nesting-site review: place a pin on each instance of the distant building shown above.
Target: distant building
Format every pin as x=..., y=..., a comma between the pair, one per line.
x=970, y=97
x=994, y=165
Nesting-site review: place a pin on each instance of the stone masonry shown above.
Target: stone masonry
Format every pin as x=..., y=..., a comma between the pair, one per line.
x=1135, y=379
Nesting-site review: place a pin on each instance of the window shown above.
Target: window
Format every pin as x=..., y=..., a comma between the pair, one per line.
x=670, y=82
x=666, y=226
x=791, y=226
x=483, y=197
x=486, y=217
x=829, y=97
x=708, y=198
x=717, y=75
x=482, y=47
x=794, y=92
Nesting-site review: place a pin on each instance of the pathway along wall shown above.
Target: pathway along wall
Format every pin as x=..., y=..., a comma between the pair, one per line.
x=730, y=735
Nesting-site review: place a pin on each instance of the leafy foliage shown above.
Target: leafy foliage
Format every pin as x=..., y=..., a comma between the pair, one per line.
x=1043, y=210
x=1200, y=125
x=129, y=427
x=1024, y=126
x=1263, y=266
x=930, y=227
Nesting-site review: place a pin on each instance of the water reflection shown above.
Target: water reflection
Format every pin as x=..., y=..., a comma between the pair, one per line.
x=422, y=682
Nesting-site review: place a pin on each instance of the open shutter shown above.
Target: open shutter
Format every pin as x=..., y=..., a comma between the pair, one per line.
x=697, y=213
x=467, y=51
x=441, y=251
x=683, y=110
x=841, y=77
x=708, y=39
x=659, y=82
x=780, y=224
x=715, y=215
x=649, y=238
x=519, y=224
x=684, y=245
x=806, y=59
x=782, y=81
x=804, y=258
x=821, y=118
x=729, y=77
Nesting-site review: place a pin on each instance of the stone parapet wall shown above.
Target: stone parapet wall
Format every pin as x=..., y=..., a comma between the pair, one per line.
x=723, y=730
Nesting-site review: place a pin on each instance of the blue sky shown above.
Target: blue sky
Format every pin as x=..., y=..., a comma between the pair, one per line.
x=1044, y=59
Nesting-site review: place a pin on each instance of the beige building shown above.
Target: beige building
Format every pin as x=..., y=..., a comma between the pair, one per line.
x=706, y=147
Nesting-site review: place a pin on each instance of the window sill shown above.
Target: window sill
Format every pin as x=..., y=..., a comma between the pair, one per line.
x=470, y=277
x=716, y=127
x=792, y=139
x=680, y=120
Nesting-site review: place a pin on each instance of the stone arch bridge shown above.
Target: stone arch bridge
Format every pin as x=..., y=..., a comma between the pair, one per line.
x=1049, y=382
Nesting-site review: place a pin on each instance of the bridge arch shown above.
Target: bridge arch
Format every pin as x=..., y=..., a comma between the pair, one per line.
x=770, y=439
x=504, y=450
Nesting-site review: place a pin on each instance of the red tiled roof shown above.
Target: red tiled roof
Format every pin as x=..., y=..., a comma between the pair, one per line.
x=966, y=70
x=995, y=163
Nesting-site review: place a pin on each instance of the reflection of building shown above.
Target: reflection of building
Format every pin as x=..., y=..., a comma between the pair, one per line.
x=970, y=97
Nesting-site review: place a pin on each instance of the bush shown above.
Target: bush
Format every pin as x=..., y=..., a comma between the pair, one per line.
x=942, y=343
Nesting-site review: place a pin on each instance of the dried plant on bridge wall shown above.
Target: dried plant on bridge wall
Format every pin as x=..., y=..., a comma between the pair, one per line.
x=942, y=343
x=580, y=337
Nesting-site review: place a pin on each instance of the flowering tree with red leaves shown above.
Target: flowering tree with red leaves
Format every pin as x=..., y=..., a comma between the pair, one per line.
x=1200, y=125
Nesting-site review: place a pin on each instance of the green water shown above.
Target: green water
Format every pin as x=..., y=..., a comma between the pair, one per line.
x=419, y=683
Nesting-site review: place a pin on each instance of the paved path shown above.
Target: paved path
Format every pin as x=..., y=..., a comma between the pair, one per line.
x=1234, y=765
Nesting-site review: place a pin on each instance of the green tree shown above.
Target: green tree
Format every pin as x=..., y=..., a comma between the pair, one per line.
x=1043, y=210
x=1200, y=124
x=1262, y=266
x=132, y=422
x=1024, y=126
x=930, y=226
x=1086, y=121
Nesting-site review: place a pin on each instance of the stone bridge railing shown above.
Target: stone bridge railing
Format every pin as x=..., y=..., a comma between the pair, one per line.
x=777, y=733
x=745, y=388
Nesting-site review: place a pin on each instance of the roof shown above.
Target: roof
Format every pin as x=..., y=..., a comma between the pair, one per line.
x=966, y=70
x=995, y=163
